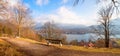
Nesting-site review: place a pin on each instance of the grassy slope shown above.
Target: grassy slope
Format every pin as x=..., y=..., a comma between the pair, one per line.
x=79, y=48
x=113, y=50
x=8, y=50
x=118, y=41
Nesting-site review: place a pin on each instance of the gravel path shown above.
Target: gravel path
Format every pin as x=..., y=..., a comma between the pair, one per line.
x=31, y=49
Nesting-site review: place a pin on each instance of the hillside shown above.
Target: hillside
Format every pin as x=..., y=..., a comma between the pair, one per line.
x=7, y=49
x=34, y=48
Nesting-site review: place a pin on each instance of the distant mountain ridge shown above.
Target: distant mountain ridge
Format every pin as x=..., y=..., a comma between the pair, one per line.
x=81, y=29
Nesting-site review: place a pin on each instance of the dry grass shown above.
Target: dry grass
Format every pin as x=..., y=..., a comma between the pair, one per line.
x=79, y=48
x=8, y=50
x=31, y=41
x=118, y=41
x=30, y=48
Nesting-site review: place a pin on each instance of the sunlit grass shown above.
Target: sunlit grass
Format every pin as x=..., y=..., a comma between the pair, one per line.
x=79, y=48
x=8, y=50
x=31, y=41
x=118, y=41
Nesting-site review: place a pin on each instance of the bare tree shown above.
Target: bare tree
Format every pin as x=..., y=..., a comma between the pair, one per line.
x=50, y=29
x=105, y=15
x=115, y=3
x=21, y=14
x=17, y=14
x=3, y=9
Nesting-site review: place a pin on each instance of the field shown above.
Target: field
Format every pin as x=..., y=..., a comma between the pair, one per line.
x=35, y=48
x=78, y=48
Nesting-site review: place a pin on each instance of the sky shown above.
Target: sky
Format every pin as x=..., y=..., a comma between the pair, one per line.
x=63, y=11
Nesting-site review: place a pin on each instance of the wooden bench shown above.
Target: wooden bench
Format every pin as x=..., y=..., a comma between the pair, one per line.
x=54, y=41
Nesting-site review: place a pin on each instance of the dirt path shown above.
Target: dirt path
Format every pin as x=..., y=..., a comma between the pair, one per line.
x=31, y=49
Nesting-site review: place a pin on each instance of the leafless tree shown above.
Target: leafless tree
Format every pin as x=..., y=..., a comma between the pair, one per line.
x=49, y=29
x=3, y=9
x=105, y=15
x=52, y=31
x=17, y=14
x=115, y=3
x=21, y=16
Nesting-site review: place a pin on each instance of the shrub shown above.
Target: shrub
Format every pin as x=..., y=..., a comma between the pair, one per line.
x=100, y=43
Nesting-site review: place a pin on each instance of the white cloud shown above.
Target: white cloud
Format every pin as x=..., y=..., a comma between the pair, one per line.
x=13, y=2
x=42, y=2
x=64, y=1
x=42, y=19
x=64, y=15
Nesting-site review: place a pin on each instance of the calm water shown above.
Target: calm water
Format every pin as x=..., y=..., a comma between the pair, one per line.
x=85, y=37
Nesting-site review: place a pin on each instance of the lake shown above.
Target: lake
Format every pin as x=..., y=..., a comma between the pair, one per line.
x=85, y=37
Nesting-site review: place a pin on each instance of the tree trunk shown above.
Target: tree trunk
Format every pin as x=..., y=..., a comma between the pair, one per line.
x=106, y=35
x=18, y=34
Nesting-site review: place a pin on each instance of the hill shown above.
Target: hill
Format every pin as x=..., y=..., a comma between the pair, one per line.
x=34, y=48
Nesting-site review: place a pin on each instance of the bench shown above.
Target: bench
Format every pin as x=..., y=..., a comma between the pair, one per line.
x=55, y=41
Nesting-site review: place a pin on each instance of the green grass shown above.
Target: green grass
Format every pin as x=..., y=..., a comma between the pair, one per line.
x=8, y=50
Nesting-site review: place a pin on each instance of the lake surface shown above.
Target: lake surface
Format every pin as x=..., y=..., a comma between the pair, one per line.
x=85, y=37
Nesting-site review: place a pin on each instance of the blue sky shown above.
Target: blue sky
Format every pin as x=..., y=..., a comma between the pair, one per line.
x=63, y=12
x=38, y=6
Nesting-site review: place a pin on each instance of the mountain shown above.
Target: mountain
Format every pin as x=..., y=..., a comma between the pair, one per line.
x=70, y=26
x=73, y=29
x=116, y=21
x=114, y=26
x=81, y=29
x=38, y=26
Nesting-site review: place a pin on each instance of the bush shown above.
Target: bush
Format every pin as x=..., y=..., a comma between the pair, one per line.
x=100, y=43
x=74, y=42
